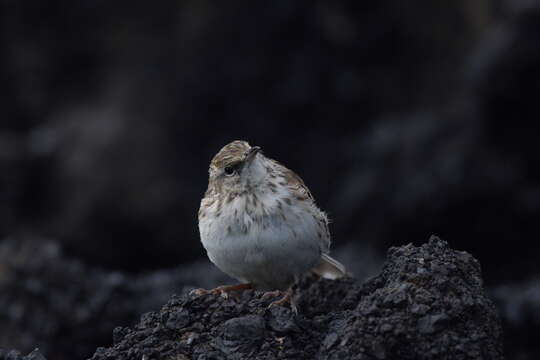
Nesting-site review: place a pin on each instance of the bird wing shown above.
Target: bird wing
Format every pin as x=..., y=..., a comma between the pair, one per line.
x=329, y=268
x=295, y=182
x=301, y=192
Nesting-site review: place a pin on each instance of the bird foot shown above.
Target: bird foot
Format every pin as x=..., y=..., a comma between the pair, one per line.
x=270, y=294
x=287, y=298
x=223, y=291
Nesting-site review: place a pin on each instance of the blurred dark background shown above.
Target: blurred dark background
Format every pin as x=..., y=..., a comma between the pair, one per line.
x=404, y=119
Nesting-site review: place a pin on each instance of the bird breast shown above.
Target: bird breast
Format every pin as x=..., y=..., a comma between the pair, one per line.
x=262, y=230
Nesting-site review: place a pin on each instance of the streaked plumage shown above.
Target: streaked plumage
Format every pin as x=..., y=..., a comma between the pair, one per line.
x=259, y=222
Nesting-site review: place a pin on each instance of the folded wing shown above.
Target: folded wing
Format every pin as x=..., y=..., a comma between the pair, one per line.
x=329, y=268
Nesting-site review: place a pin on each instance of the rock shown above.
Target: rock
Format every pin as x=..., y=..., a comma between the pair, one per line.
x=67, y=308
x=431, y=323
x=439, y=313
x=242, y=334
x=282, y=320
x=16, y=355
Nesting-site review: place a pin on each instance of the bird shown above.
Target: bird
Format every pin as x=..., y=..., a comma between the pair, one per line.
x=259, y=224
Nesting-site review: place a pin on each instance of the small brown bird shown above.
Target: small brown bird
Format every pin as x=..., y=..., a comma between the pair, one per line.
x=259, y=223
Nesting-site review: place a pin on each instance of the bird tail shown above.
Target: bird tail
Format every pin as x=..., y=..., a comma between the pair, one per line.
x=329, y=268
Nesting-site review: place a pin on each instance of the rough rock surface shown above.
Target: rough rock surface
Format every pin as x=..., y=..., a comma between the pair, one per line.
x=16, y=355
x=66, y=308
x=427, y=303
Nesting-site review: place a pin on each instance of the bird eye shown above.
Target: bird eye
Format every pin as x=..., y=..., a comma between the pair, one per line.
x=229, y=170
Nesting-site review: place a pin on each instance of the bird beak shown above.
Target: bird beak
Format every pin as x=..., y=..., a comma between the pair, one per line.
x=251, y=153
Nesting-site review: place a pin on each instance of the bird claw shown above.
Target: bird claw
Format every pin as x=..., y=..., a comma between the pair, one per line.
x=223, y=291
x=286, y=298
x=270, y=294
x=294, y=308
x=198, y=292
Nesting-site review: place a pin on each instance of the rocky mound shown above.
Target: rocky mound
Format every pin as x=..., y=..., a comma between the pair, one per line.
x=16, y=355
x=66, y=308
x=427, y=303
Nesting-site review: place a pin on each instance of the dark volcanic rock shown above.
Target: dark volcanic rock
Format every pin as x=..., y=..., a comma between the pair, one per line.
x=67, y=309
x=428, y=303
x=15, y=355
x=242, y=334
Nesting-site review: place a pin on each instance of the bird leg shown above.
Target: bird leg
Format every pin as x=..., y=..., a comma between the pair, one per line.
x=270, y=294
x=288, y=297
x=223, y=290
